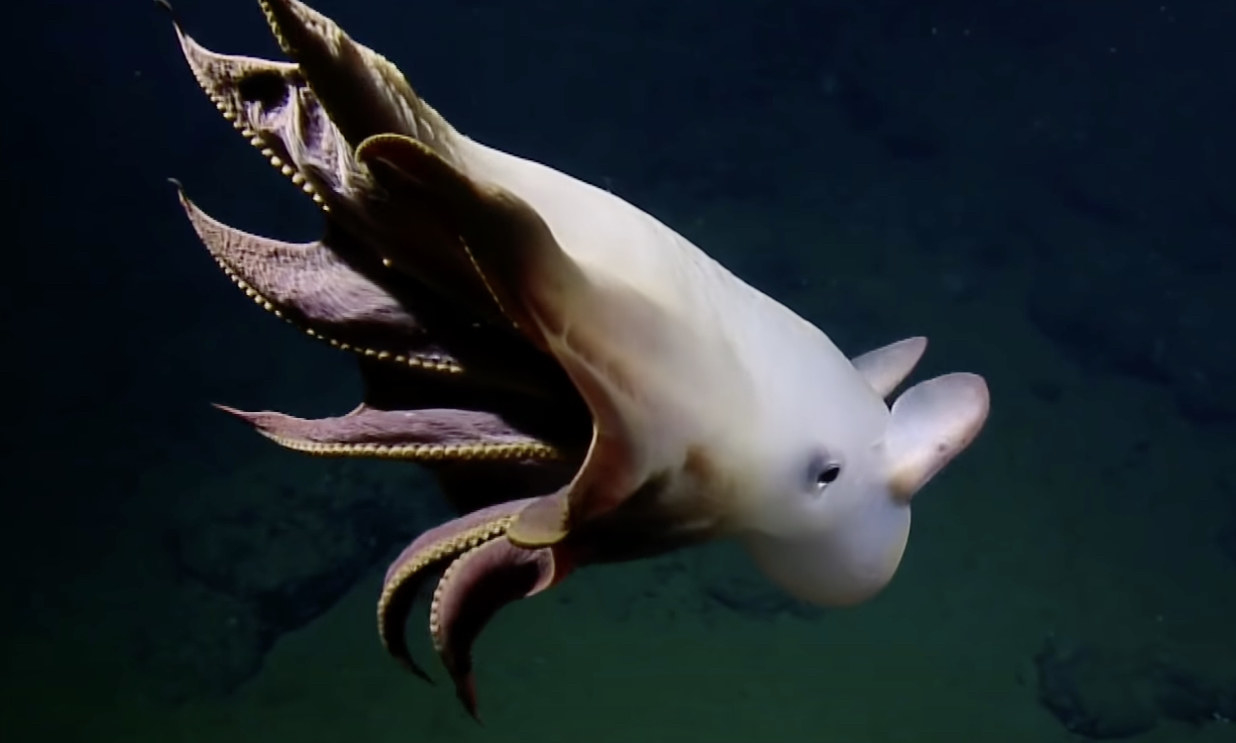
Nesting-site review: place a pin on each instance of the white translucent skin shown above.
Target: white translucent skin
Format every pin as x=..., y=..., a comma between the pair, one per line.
x=846, y=560
x=840, y=544
x=784, y=395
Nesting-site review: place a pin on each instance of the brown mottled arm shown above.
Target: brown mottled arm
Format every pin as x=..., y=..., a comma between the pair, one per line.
x=285, y=111
x=312, y=286
x=489, y=409
x=448, y=382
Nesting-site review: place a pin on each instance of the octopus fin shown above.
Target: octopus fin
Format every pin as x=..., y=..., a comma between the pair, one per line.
x=885, y=368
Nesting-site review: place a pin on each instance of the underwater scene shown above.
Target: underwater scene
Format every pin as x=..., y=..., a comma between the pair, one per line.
x=547, y=371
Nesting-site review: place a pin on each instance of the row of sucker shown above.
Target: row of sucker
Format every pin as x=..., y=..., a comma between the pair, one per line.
x=427, y=362
x=513, y=451
x=401, y=586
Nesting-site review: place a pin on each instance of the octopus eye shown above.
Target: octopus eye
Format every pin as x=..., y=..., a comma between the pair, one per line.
x=821, y=471
x=827, y=474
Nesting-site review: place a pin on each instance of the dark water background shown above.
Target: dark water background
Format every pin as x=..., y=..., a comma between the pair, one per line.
x=1046, y=189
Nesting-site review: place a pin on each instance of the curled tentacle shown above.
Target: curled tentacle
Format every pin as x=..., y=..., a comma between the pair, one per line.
x=428, y=553
x=472, y=590
x=481, y=573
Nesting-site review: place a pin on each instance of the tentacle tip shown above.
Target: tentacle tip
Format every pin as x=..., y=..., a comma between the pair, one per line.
x=247, y=416
x=465, y=691
x=166, y=5
x=417, y=671
x=253, y=419
x=180, y=193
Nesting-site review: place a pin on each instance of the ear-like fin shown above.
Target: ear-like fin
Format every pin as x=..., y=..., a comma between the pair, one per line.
x=933, y=422
x=887, y=367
